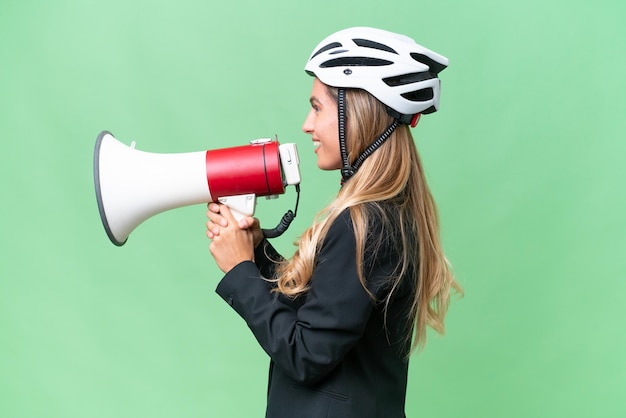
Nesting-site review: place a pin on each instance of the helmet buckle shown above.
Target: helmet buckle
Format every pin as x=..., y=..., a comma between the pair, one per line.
x=347, y=172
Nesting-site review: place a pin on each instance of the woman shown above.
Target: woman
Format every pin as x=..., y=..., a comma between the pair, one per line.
x=340, y=318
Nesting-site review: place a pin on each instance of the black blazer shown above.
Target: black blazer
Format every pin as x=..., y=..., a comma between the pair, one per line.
x=332, y=353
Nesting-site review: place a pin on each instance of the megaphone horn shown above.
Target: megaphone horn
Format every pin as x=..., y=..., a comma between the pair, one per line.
x=132, y=185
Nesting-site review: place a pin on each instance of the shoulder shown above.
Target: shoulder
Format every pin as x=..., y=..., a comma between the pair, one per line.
x=375, y=219
x=339, y=237
x=372, y=228
x=342, y=223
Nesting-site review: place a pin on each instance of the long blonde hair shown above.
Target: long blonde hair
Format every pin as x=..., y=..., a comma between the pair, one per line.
x=394, y=174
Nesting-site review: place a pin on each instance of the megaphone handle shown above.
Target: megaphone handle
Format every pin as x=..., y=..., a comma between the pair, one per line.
x=238, y=215
x=240, y=206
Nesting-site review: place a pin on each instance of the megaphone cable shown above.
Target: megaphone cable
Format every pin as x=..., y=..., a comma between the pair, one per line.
x=286, y=220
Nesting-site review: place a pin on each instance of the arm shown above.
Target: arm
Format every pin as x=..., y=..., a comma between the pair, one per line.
x=308, y=342
x=265, y=258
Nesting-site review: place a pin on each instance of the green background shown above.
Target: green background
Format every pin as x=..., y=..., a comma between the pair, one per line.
x=525, y=159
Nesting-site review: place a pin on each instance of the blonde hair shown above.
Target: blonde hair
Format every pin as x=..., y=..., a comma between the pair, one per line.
x=394, y=174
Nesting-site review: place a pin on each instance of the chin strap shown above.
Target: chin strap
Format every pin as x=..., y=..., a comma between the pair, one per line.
x=348, y=170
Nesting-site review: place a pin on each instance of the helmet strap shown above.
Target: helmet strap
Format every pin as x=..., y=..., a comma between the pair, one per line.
x=376, y=144
x=348, y=170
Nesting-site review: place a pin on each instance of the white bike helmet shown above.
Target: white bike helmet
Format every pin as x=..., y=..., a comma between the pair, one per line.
x=393, y=68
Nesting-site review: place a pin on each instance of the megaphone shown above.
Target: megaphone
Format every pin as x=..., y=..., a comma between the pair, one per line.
x=132, y=185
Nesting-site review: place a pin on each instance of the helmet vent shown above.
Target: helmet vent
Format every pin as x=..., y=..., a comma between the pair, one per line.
x=434, y=66
x=422, y=95
x=326, y=48
x=374, y=45
x=355, y=62
x=404, y=79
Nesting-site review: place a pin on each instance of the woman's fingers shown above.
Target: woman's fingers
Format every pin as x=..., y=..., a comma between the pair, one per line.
x=216, y=220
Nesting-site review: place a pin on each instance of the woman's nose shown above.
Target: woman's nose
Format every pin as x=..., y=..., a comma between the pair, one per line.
x=307, y=127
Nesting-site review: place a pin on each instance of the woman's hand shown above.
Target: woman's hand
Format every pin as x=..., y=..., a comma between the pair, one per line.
x=232, y=241
x=217, y=221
